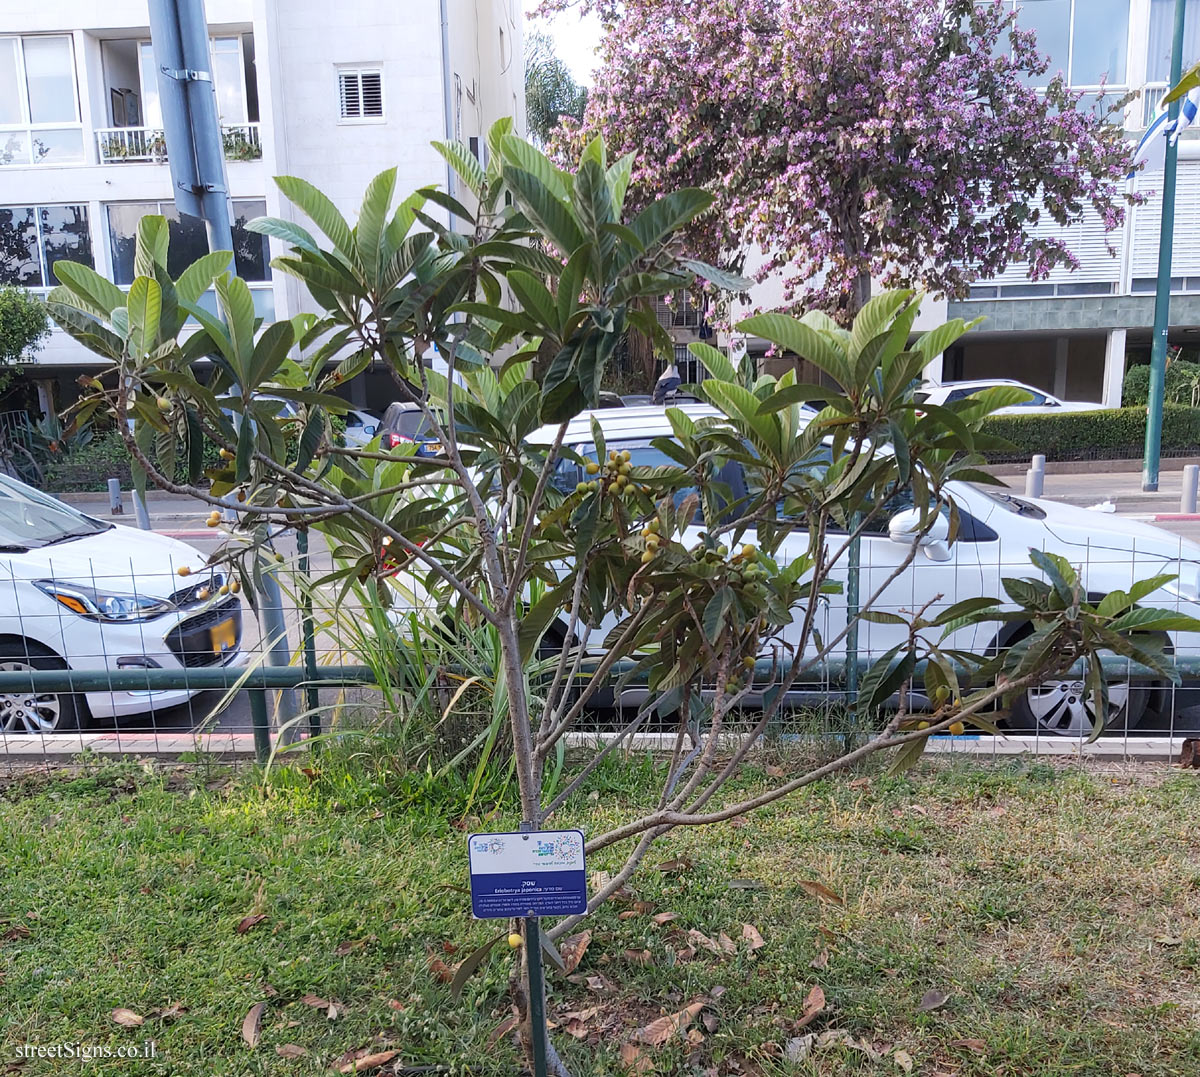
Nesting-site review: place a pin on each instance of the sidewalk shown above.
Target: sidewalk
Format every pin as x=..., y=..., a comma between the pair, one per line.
x=1123, y=488
x=1103, y=482
x=168, y=512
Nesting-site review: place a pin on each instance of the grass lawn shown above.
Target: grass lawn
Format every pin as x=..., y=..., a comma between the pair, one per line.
x=1049, y=918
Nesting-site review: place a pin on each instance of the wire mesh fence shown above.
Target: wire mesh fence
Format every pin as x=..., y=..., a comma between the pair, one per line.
x=138, y=646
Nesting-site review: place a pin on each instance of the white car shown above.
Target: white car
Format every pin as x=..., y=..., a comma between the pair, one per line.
x=361, y=427
x=1038, y=402
x=997, y=531
x=79, y=593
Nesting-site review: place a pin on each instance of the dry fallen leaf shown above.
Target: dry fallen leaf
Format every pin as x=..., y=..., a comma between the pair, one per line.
x=728, y=946
x=368, y=1062
x=503, y=1029
x=252, y=1024
x=978, y=1046
x=344, y=948
x=698, y=938
x=600, y=984
x=633, y=1060
x=656, y=1033
x=1168, y=940
x=904, y=1060
x=798, y=1048
x=126, y=1018
x=17, y=931
x=442, y=972
x=316, y=1002
x=290, y=1050
x=774, y=771
x=751, y=935
x=820, y=961
x=663, y=918
x=247, y=922
x=673, y=867
x=931, y=1000
x=745, y=884
x=814, y=1003
x=171, y=1012
x=638, y=957
x=820, y=890
x=396, y=1004
x=573, y=949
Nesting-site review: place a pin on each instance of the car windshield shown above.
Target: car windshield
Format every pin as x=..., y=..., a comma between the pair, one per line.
x=30, y=520
x=643, y=454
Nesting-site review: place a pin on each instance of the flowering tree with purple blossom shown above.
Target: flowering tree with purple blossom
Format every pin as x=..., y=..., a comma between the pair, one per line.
x=853, y=140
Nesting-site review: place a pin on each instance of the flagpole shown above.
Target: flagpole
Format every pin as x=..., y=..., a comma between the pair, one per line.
x=1162, y=293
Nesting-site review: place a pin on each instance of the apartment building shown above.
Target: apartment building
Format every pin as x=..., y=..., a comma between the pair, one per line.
x=1071, y=333
x=331, y=93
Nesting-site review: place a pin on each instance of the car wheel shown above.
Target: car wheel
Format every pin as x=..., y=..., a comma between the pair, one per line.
x=1064, y=708
x=36, y=712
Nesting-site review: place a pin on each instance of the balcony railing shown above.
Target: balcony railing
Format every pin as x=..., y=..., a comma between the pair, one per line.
x=119, y=145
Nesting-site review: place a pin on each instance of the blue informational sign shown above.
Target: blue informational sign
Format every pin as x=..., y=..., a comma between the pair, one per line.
x=535, y=874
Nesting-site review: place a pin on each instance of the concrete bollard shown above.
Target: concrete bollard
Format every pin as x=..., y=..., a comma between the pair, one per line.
x=115, y=508
x=1035, y=477
x=1191, y=480
x=139, y=510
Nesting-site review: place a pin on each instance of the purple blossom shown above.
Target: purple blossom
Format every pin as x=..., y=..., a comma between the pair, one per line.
x=852, y=138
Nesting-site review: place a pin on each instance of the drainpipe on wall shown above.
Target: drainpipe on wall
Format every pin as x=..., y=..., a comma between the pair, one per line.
x=447, y=102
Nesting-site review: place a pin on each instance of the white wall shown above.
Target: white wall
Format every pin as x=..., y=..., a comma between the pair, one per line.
x=45, y=16
x=768, y=296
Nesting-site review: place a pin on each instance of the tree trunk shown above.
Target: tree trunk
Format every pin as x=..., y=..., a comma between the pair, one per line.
x=860, y=293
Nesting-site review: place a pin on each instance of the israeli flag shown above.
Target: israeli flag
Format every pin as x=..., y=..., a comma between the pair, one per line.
x=1152, y=149
x=1187, y=113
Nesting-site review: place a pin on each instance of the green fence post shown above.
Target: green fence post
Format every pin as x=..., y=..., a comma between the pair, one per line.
x=312, y=698
x=260, y=725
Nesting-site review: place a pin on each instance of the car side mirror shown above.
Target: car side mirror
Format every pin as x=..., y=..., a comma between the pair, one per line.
x=370, y=430
x=905, y=529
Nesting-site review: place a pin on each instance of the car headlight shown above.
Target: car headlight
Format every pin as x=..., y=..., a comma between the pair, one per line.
x=104, y=605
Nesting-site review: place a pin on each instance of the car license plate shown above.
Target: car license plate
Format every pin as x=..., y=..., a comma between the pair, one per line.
x=224, y=636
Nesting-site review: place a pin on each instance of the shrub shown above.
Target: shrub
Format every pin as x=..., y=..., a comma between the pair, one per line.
x=89, y=467
x=1114, y=433
x=1182, y=384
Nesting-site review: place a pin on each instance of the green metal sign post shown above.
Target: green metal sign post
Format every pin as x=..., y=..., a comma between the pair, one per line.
x=1162, y=295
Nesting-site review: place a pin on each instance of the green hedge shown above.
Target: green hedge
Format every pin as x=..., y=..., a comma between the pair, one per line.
x=1182, y=384
x=1111, y=434
x=104, y=457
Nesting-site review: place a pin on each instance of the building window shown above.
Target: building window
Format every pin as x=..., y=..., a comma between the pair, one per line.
x=189, y=240
x=33, y=238
x=1162, y=29
x=1087, y=40
x=677, y=311
x=360, y=94
x=39, y=105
